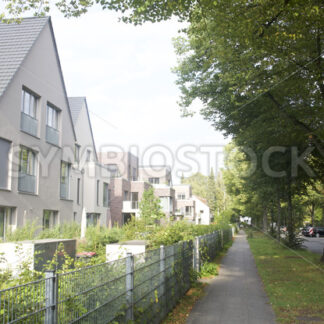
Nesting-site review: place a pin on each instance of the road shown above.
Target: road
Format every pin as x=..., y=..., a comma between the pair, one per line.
x=314, y=244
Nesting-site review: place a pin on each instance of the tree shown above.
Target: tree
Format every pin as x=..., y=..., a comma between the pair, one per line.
x=212, y=192
x=198, y=184
x=150, y=208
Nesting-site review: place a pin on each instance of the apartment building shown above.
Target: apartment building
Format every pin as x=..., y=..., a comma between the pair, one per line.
x=40, y=174
x=126, y=188
x=160, y=177
x=91, y=206
x=185, y=204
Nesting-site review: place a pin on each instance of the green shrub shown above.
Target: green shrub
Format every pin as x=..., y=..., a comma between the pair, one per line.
x=27, y=232
x=209, y=269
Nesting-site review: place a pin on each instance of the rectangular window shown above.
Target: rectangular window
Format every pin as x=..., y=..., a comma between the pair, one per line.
x=28, y=103
x=126, y=196
x=105, y=194
x=154, y=180
x=134, y=174
x=88, y=157
x=78, y=191
x=50, y=219
x=181, y=196
x=4, y=163
x=93, y=219
x=28, y=122
x=77, y=153
x=52, y=129
x=52, y=116
x=65, y=180
x=7, y=221
x=27, y=170
x=98, y=185
x=188, y=210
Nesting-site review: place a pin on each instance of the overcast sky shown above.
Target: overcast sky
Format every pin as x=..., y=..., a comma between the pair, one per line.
x=125, y=73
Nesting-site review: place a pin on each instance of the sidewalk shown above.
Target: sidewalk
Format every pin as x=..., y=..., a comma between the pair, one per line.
x=236, y=295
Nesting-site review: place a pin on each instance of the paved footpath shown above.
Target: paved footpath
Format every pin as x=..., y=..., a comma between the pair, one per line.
x=236, y=295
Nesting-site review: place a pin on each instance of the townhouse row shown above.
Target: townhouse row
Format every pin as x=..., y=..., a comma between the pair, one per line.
x=50, y=172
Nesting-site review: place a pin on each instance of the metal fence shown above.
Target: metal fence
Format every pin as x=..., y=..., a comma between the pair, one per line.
x=141, y=288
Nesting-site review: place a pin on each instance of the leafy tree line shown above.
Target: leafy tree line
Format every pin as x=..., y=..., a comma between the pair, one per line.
x=257, y=69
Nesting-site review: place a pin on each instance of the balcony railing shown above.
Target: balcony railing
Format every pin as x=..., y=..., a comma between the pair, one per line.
x=64, y=191
x=28, y=124
x=52, y=135
x=27, y=183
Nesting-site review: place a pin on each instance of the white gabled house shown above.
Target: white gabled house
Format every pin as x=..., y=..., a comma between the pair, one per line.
x=203, y=215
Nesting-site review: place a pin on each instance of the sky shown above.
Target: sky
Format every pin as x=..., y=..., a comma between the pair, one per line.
x=124, y=71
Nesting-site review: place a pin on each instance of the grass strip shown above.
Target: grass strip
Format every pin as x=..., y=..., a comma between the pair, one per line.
x=293, y=280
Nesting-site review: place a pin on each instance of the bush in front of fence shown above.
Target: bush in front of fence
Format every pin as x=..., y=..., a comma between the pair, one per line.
x=140, y=289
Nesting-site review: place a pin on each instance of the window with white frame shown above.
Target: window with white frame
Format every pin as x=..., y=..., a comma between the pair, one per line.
x=27, y=159
x=65, y=180
x=105, y=194
x=5, y=147
x=27, y=170
x=77, y=153
x=98, y=189
x=154, y=180
x=181, y=196
x=93, y=219
x=7, y=221
x=50, y=219
x=28, y=103
x=52, y=116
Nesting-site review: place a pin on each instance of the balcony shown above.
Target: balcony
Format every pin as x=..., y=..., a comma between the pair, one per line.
x=130, y=206
x=52, y=135
x=27, y=183
x=28, y=124
x=64, y=191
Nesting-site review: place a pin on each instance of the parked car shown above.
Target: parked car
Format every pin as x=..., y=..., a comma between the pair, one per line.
x=313, y=231
x=318, y=231
x=308, y=231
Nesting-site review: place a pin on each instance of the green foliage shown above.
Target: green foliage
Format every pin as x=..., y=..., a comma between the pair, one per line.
x=198, y=184
x=209, y=269
x=211, y=192
x=149, y=208
x=32, y=231
x=27, y=232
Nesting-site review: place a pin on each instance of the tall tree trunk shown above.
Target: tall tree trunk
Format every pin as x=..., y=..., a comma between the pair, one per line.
x=290, y=224
x=272, y=221
x=278, y=215
x=312, y=213
x=265, y=219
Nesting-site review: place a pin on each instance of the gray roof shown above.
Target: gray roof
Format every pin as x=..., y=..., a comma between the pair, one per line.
x=76, y=104
x=16, y=40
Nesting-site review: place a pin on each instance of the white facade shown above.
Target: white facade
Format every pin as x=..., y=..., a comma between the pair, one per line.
x=203, y=215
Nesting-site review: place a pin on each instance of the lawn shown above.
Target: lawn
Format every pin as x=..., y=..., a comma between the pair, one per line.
x=293, y=280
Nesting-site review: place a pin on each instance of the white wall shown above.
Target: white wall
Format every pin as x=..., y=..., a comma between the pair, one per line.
x=202, y=212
